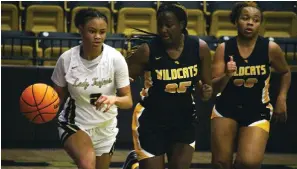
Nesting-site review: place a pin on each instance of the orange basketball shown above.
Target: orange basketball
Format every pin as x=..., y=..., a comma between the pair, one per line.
x=39, y=103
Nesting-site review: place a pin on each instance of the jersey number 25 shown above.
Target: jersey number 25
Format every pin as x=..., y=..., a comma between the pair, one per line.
x=179, y=88
x=248, y=83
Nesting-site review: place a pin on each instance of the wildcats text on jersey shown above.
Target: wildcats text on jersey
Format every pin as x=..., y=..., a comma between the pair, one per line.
x=251, y=70
x=178, y=73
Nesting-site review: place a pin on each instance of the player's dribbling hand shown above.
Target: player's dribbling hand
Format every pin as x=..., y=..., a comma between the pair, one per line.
x=106, y=102
x=231, y=67
x=280, y=110
x=206, y=91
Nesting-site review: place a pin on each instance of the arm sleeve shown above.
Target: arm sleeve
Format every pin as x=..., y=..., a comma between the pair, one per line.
x=58, y=76
x=121, y=72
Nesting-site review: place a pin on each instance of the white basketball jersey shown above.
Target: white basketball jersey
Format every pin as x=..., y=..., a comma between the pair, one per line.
x=85, y=85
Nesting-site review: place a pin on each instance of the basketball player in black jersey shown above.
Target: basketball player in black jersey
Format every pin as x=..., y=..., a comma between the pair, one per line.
x=241, y=73
x=175, y=62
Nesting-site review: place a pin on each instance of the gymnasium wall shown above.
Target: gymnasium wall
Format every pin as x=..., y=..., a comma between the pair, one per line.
x=18, y=132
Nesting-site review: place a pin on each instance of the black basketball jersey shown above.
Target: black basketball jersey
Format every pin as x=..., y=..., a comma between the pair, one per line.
x=173, y=80
x=250, y=83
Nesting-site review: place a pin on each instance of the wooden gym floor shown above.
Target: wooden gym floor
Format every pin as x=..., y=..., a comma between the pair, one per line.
x=58, y=159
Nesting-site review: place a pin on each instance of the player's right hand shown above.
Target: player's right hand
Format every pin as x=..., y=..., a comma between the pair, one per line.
x=231, y=67
x=205, y=91
x=105, y=102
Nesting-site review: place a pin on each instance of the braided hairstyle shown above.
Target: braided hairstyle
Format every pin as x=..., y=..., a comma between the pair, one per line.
x=178, y=10
x=237, y=8
x=85, y=15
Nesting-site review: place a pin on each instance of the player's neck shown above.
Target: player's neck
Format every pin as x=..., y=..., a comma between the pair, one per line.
x=90, y=53
x=247, y=42
x=178, y=45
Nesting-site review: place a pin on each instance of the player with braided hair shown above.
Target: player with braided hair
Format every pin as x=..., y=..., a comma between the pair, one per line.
x=174, y=63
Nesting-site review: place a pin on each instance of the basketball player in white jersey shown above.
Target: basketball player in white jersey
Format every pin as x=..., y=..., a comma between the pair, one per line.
x=89, y=76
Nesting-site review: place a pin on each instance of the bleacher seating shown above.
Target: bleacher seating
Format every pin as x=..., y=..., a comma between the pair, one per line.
x=42, y=16
x=196, y=20
x=289, y=6
x=45, y=35
x=212, y=43
x=141, y=15
x=117, y=41
x=289, y=48
x=102, y=6
x=135, y=4
x=17, y=47
x=220, y=23
x=279, y=24
x=52, y=44
x=9, y=17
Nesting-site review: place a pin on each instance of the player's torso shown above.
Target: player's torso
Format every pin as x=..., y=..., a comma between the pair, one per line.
x=83, y=82
x=250, y=83
x=85, y=86
x=173, y=79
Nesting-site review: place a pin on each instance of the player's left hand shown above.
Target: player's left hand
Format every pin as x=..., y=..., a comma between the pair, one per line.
x=106, y=102
x=280, y=110
x=206, y=91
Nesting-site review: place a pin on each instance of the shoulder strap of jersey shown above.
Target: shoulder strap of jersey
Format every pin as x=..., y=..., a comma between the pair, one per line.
x=196, y=41
x=263, y=47
x=230, y=48
x=154, y=45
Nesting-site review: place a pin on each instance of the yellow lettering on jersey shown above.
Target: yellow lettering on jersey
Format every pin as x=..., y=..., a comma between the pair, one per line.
x=159, y=74
x=241, y=71
x=258, y=69
x=173, y=74
x=164, y=74
x=191, y=70
x=185, y=72
x=251, y=70
x=249, y=83
x=246, y=70
x=263, y=69
x=167, y=77
x=195, y=70
x=181, y=88
x=171, y=88
x=179, y=73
